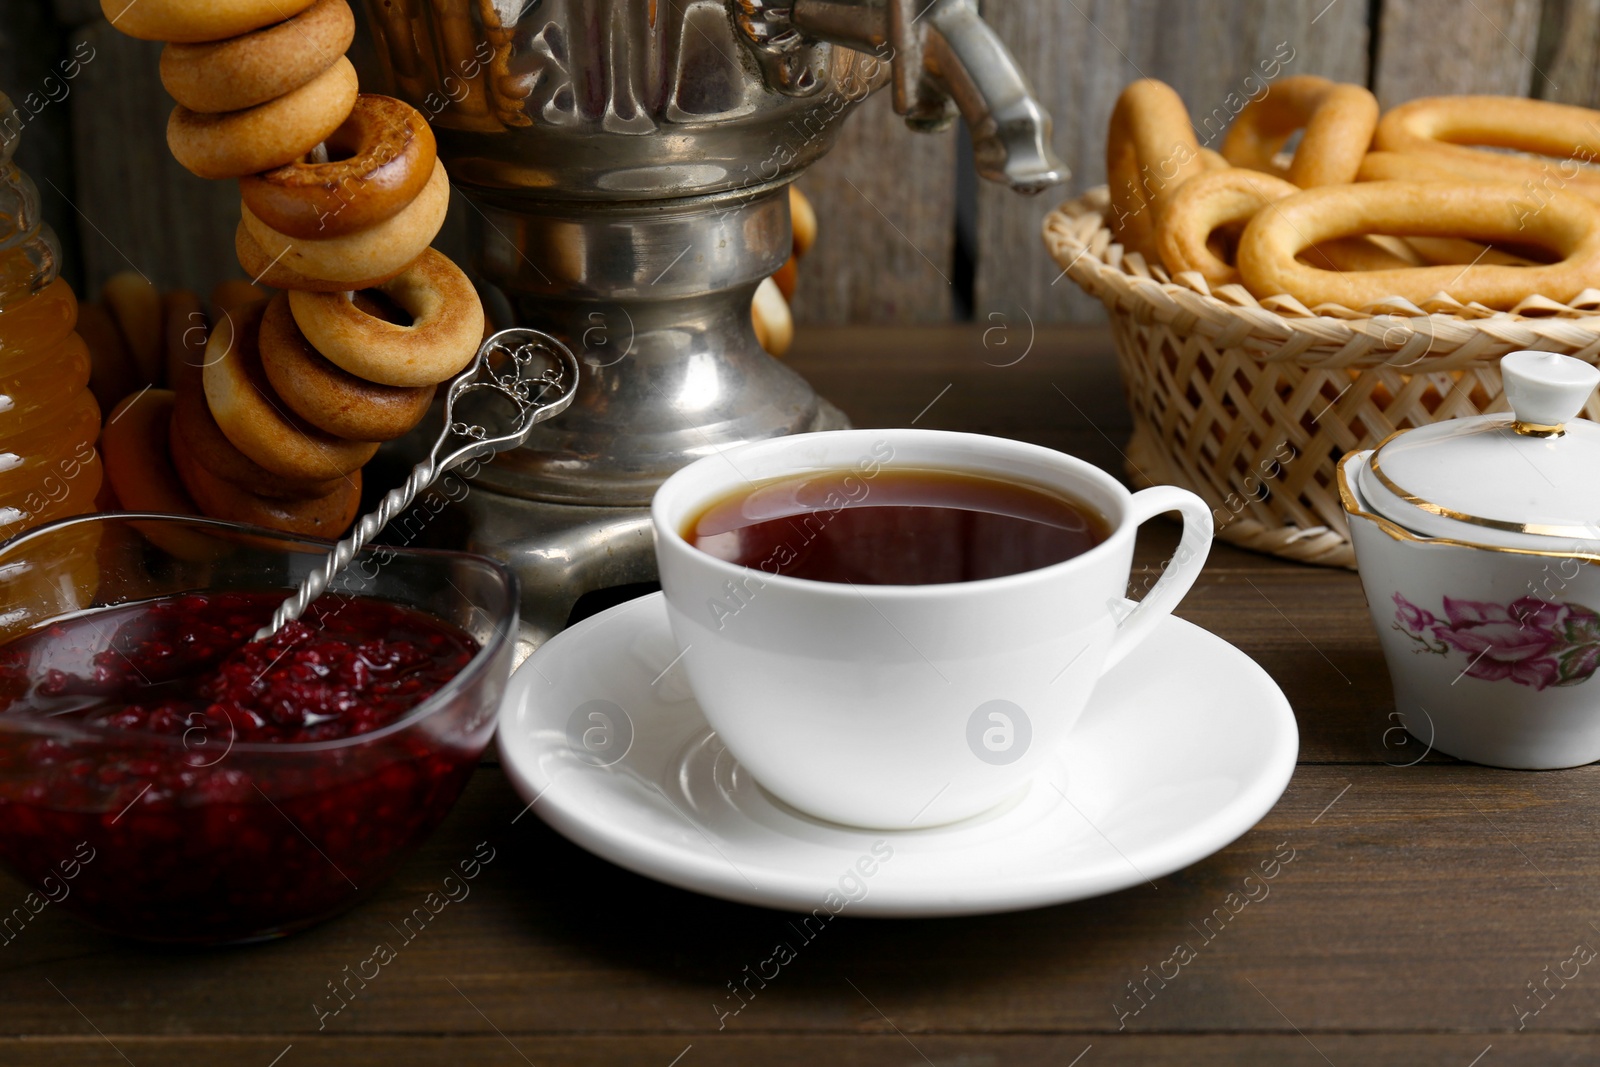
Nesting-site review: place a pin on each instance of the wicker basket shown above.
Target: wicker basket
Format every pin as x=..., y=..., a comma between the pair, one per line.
x=1251, y=403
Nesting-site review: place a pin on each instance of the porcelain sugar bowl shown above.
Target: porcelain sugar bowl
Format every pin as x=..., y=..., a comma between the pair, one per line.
x=1478, y=542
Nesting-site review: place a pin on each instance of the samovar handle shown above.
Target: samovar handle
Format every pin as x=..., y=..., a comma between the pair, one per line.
x=942, y=50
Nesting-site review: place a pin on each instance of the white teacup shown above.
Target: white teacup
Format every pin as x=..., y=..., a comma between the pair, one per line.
x=909, y=705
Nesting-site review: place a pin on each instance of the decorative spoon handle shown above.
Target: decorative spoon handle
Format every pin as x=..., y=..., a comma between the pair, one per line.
x=517, y=366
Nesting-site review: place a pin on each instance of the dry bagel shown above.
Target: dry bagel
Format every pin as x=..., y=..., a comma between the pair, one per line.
x=232, y=294
x=802, y=222
x=135, y=306
x=381, y=250
x=329, y=398
x=325, y=516
x=1454, y=130
x=196, y=20
x=272, y=273
x=113, y=373
x=382, y=157
x=194, y=428
x=255, y=67
x=236, y=143
x=133, y=449
x=787, y=277
x=769, y=313
x=1338, y=120
x=256, y=419
x=1422, y=166
x=1219, y=199
x=1150, y=152
x=1567, y=225
x=446, y=327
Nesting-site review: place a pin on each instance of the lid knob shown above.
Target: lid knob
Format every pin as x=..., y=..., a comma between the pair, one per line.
x=1546, y=390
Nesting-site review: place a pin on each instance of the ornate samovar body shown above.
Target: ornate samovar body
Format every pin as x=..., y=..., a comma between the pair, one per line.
x=627, y=164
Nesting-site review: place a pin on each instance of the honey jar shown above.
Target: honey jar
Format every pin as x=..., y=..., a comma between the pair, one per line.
x=49, y=420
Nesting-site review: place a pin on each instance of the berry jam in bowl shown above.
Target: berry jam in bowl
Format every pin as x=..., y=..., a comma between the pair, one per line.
x=203, y=787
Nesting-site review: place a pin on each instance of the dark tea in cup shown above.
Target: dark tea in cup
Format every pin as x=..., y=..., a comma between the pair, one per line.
x=865, y=704
x=896, y=527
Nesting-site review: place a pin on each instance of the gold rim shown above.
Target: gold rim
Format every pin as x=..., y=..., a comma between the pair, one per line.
x=1535, y=529
x=1352, y=507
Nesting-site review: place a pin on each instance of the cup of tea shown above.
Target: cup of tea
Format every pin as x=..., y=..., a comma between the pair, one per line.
x=896, y=628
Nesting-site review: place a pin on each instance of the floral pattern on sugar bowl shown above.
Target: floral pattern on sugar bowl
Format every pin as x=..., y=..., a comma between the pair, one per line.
x=1466, y=519
x=1532, y=642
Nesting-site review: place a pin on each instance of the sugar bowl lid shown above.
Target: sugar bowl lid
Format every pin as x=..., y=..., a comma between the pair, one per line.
x=1526, y=480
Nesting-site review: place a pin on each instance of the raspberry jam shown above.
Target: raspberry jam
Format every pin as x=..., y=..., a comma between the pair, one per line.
x=187, y=757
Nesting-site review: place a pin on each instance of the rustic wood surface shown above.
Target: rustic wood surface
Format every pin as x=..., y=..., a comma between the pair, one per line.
x=1568, y=37
x=136, y=208
x=1429, y=47
x=891, y=203
x=886, y=202
x=1419, y=902
x=30, y=44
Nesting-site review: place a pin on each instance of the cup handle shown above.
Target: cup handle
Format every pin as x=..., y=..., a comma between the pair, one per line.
x=1178, y=574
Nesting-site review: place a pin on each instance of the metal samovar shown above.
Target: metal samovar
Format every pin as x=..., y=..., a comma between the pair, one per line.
x=627, y=163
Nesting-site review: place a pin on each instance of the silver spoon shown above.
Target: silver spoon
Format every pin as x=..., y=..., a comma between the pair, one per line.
x=518, y=365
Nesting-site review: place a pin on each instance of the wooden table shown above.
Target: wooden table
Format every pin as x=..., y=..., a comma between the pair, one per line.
x=1420, y=902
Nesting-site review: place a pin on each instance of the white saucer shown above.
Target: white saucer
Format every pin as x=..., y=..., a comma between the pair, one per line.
x=1184, y=746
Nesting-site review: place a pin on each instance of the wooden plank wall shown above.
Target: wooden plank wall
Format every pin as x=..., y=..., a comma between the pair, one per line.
x=899, y=242
x=1080, y=53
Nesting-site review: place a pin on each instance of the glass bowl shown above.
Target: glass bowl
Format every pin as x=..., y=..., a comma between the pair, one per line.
x=200, y=839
